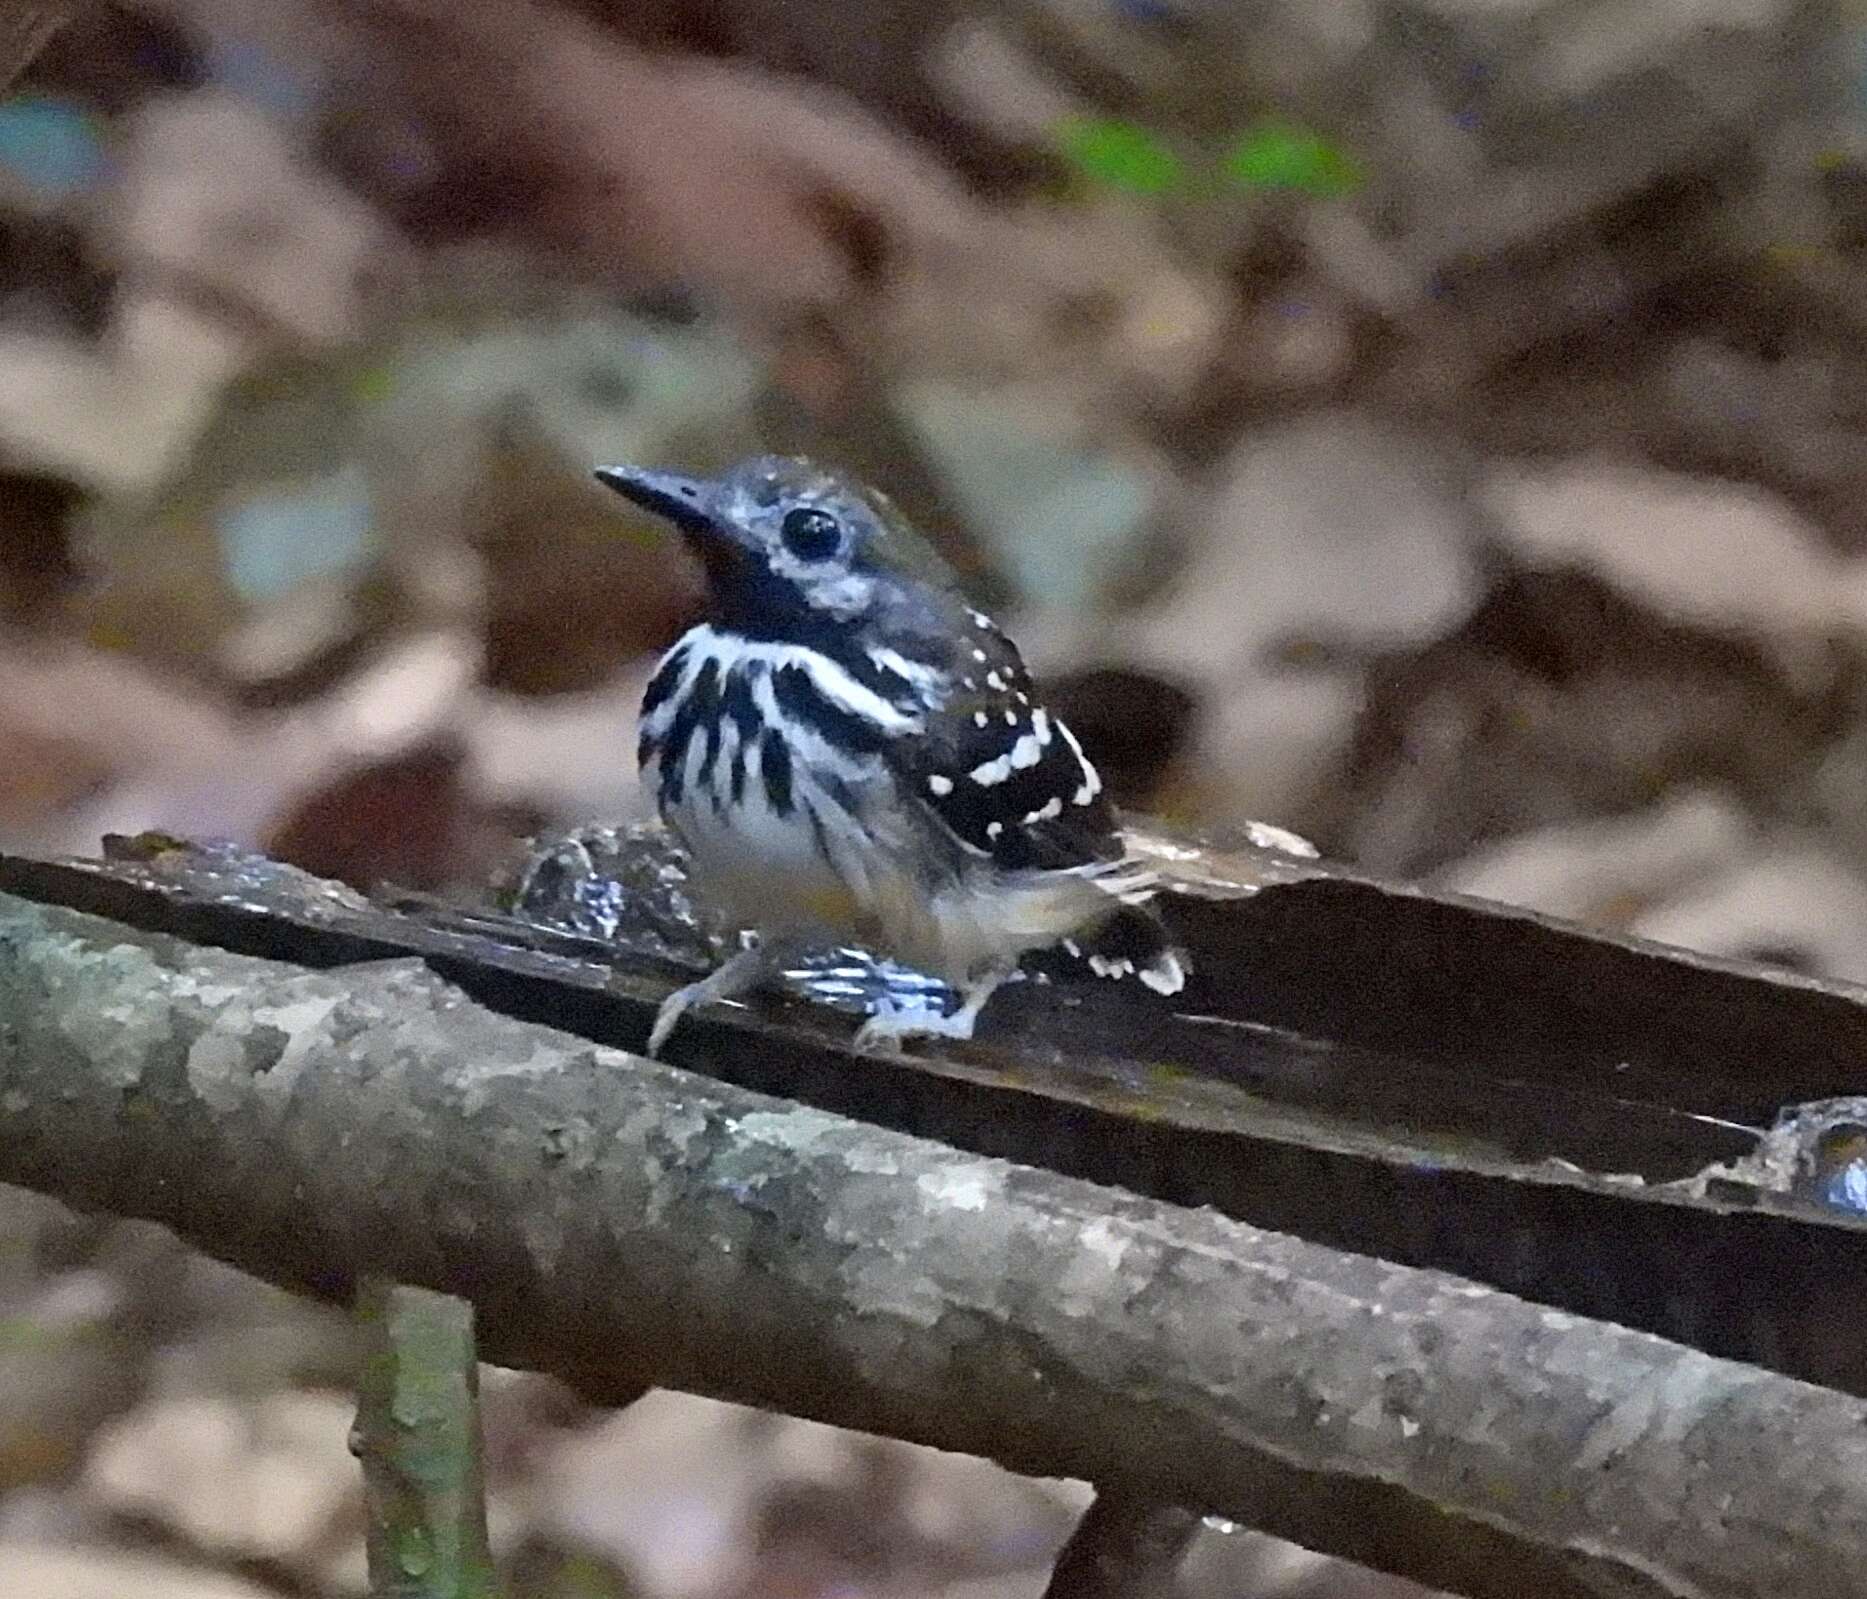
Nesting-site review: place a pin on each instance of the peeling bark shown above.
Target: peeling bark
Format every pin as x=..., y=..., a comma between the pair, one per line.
x=620, y=1222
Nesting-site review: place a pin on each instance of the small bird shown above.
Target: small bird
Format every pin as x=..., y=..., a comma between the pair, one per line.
x=852, y=754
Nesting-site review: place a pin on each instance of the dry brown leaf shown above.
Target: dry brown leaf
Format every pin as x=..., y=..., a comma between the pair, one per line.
x=767, y=193
x=25, y=30
x=262, y=1479
x=49, y=1573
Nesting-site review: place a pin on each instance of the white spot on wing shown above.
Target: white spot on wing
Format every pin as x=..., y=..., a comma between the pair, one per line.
x=939, y=784
x=994, y=681
x=1027, y=751
x=1111, y=965
x=980, y=620
x=1051, y=807
x=978, y=655
x=993, y=829
x=1164, y=974
x=978, y=718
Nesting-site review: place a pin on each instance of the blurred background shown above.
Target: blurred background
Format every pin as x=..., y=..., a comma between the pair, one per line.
x=1437, y=426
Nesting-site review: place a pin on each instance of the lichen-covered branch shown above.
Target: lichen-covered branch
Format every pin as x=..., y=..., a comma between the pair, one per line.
x=618, y=1222
x=418, y=1436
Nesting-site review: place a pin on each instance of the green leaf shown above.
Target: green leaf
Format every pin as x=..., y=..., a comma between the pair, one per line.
x=1121, y=154
x=1275, y=154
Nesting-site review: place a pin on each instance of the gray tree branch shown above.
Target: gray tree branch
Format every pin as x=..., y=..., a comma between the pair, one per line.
x=620, y=1222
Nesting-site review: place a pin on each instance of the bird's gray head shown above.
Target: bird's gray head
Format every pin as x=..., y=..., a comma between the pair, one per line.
x=787, y=543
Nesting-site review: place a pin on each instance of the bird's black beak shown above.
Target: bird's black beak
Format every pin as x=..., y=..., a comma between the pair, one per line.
x=684, y=501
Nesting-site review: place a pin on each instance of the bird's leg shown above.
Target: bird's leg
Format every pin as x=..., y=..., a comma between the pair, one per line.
x=887, y=1030
x=740, y=974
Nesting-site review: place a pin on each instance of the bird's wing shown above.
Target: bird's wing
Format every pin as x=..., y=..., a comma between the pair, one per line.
x=1001, y=773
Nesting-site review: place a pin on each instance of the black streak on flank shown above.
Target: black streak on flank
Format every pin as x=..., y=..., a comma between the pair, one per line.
x=661, y=685
x=702, y=703
x=817, y=832
x=775, y=766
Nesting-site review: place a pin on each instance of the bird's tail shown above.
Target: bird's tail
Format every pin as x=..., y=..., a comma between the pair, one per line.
x=1134, y=943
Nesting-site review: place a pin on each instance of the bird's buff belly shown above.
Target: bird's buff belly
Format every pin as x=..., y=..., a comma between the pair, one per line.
x=758, y=869
x=761, y=870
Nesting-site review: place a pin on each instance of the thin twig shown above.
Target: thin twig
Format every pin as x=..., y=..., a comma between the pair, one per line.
x=1123, y=1548
x=418, y=1436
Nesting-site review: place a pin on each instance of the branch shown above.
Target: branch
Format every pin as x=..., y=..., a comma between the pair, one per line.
x=1122, y=1549
x=418, y=1436
x=620, y=1222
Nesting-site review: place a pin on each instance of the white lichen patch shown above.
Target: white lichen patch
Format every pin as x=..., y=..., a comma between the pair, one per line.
x=798, y=1129
x=482, y=1088
x=1083, y=1289
x=1103, y=1238
x=297, y=1017
x=872, y=1163
x=882, y=1289
x=302, y=1021
x=217, y=1070
x=962, y=1187
x=209, y=994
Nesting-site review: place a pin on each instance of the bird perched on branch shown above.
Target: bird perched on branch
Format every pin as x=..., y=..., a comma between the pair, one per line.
x=851, y=754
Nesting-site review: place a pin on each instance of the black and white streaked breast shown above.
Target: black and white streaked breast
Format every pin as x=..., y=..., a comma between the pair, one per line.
x=723, y=712
x=767, y=760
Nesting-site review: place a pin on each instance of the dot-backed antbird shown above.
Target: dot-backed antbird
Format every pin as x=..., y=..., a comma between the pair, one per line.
x=851, y=754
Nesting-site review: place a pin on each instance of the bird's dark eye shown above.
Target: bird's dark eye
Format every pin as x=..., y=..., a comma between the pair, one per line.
x=810, y=535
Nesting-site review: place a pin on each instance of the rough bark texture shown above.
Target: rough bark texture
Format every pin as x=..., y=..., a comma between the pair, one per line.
x=418, y=1436
x=619, y=1222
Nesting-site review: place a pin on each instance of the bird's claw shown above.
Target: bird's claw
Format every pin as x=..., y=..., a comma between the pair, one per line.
x=888, y=1030
x=673, y=1008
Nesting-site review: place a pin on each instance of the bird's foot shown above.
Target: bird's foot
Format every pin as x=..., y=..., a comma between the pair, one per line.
x=673, y=1008
x=744, y=971
x=889, y=1029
